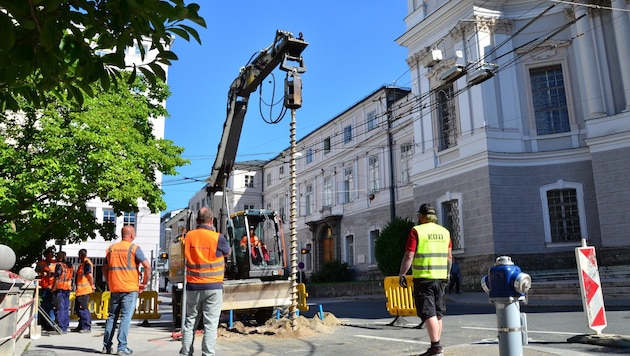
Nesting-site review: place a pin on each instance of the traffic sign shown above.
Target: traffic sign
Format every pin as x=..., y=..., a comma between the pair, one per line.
x=591, y=288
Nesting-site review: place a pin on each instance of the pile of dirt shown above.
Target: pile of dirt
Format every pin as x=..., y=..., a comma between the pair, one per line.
x=281, y=328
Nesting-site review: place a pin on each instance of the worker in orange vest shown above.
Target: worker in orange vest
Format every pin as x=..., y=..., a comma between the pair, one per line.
x=45, y=269
x=205, y=251
x=122, y=261
x=62, y=286
x=84, y=287
x=259, y=251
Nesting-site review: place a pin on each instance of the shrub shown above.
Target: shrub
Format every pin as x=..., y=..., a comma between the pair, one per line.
x=390, y=245
x=333, y=271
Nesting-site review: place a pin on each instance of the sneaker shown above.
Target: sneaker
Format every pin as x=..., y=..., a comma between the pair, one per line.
x=126, y=351
x=85, y=331
x=106, y=351
x=437, y=351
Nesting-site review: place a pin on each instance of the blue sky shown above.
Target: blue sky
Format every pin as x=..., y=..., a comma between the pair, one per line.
x=351, y=52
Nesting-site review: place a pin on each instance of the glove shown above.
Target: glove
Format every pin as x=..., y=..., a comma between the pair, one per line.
x=402, y=281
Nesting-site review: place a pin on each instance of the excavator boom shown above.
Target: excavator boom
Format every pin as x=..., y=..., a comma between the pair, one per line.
x=285, y=47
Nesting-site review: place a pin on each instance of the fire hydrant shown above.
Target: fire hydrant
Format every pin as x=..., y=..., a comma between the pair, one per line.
x=507, y=286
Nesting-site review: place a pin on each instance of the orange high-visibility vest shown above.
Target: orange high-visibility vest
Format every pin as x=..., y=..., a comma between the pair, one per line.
x=83, y=284
x=122, y=274
x=47, y=282
x=64, y=281
x=202, y=263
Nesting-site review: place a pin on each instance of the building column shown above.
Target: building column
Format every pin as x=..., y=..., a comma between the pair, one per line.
x=621, y=23
x=590, y=69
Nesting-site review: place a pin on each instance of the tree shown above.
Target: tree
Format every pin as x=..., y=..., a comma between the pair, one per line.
x=56, y=158
x=389, y=247
x=63, y=47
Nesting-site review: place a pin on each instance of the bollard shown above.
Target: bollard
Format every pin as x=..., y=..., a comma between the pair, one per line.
x=507, y=286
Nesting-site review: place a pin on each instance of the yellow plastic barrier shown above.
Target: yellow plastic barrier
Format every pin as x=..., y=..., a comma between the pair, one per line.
x=302, y=294
x=147, y=307
x=98, y=304
x=95, y=305
x=103, y=311
x=400, y=300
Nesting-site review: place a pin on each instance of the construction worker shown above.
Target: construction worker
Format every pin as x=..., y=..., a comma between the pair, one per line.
x=84, y=287
x=259, y=250
x=62, y=286
x=45, y=269
x=205, y=251
x=428, y=253
x=122, y=260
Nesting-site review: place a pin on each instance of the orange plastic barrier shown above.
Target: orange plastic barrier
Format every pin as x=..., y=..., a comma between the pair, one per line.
x=400, y=300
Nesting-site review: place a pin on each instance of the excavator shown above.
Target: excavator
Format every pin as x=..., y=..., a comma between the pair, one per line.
x=256, y=280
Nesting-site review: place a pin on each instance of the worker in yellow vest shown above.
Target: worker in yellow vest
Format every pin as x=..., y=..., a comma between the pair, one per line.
x=428, y=253
x=84, y=287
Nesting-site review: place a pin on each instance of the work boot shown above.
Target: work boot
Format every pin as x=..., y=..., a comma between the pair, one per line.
x=436, y=350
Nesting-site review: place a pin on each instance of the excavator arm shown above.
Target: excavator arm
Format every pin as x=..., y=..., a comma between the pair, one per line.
x=284, y=48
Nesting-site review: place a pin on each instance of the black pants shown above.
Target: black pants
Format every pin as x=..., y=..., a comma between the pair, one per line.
x=454, y=282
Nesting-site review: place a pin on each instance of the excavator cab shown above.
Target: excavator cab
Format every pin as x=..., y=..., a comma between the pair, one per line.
x=257, y=242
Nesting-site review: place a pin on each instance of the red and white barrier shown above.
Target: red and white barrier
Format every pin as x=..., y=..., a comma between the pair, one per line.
x=591, y=287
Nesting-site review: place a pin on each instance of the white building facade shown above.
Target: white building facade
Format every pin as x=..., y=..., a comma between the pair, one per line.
x=353, y=176
x=533, y=160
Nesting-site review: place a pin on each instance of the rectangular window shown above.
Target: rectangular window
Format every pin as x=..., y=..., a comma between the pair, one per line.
x=309, y=155
x=549, y=99
x=373, y=236
x=347, y=134
x=129, y=219
x=406, y=153
x=347, y=185
x=373, y=168
x=282, y=208
x=281, y=171
x=564, y=216
x=371, y=120
x=447, y=122
x=452, y=221
x=249, y=181
x=109, y=216
x=268, y=179
x=327, y=192
x=326, y=145
x=349, y=245
x=308, y=200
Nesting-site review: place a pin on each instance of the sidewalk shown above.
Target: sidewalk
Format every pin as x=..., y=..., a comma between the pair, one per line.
x=156, y=338
x=481, y=298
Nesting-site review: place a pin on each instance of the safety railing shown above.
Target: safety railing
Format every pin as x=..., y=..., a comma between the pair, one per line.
x=18, y=310
x=400, y=300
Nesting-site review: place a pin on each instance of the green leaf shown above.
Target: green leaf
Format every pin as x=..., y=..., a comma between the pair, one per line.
x=192, y=31
x=7, y=39
x=179, y=32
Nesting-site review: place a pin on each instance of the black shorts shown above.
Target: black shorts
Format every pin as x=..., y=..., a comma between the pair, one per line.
x=429, y=297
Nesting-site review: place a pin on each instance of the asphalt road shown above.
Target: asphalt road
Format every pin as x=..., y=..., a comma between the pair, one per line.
x=469, y=330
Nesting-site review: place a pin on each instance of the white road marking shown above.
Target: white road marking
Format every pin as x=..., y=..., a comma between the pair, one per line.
x=392, y=339
x=528, y=331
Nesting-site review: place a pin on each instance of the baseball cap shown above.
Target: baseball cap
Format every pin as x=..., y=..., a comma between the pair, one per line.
x=426, y=209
